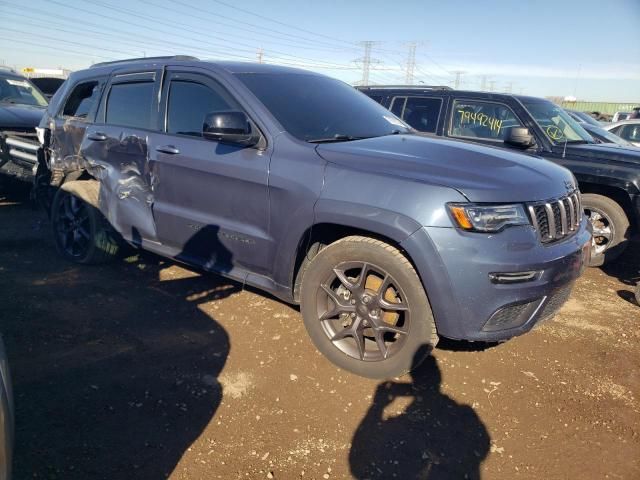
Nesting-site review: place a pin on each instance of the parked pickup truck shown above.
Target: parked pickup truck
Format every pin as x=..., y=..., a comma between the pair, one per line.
x=21, y=108
x=297, y=184
x=608, y=175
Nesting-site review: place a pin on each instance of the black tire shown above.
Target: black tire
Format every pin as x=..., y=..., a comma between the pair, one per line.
x=81, y=233
x=610, y=226
x=359, y=287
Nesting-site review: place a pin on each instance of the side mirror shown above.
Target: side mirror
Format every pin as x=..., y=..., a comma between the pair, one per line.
x=230, y=127
x=519, y=137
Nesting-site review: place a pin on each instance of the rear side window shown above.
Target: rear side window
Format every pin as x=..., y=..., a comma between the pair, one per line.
x=397, y=106
x=129, y=104
x=189, y=103
x=83, y=100
x=482, y=120
x=422, y=113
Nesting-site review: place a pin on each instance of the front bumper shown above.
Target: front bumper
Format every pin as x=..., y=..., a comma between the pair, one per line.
x=456, y=269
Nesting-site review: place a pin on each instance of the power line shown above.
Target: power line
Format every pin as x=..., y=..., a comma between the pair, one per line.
x=248, y=12
x=47, y=47
x=188, y=28
x=262, y=31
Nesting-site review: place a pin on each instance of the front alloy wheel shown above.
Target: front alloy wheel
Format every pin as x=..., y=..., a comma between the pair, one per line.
x=366, y=309
x=363, y=312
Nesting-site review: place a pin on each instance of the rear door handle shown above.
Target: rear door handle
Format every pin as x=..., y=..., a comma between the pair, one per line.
x=169, y=149
x=97, y=137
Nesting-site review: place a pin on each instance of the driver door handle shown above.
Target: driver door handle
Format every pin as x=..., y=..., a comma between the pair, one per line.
x=97, y=137
x=169, y=149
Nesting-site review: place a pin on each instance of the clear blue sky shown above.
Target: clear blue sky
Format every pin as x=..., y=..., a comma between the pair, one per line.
x=586, y=48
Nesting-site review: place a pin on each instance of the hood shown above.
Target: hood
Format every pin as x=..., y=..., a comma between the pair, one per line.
x=482, y=174
x=20, y=116
x=606, y=151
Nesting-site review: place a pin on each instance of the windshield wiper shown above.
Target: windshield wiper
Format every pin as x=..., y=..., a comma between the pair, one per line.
x=338, y=137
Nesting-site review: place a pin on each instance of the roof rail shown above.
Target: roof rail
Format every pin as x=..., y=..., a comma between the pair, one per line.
x=408, y=87
x=144, y=59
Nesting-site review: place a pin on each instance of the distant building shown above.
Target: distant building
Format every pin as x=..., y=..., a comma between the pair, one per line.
x=31, y=72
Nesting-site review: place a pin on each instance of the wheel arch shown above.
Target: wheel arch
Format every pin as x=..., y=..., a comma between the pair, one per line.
x=325, y=233
x=85, y=188
x=615, y=193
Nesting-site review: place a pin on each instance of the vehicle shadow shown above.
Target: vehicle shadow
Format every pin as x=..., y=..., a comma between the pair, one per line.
x=115, y=368
x=626, y=268
x=433, y=438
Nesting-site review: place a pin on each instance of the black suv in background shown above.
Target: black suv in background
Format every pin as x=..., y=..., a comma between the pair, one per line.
x=21, y=108
x=608, y=174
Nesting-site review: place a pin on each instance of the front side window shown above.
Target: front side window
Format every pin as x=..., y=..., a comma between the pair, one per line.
x=483, y=120
x=82, y=100
x=129, y=104
x=189, y=103
x=422, y=113
x=557, y=124
x=20, y=91
x=315, y=108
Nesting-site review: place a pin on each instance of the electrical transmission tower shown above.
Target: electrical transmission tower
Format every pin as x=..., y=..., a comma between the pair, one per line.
x=366, y=61
x=483, y=83
x=260, y=55
x=458, y=74
x=411, y=63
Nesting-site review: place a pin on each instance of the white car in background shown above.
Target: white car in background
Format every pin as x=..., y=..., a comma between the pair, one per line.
x=619, y=116
x=629, y=130
x=6, y=417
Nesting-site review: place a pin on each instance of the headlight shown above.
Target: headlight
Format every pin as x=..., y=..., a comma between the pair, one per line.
x=487, y=218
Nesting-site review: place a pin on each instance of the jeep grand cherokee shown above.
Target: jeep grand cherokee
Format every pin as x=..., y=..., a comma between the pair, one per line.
x=296, y=183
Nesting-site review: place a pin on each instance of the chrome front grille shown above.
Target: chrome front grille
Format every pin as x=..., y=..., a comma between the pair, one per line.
x=556, y=219
x=20, y=147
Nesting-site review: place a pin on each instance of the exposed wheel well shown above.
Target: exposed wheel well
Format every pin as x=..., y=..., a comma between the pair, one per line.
x=325, y=234
x=617, y=194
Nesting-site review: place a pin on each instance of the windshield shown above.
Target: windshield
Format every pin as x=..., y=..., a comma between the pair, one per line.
x=20, y=91
x=314, y=108
x=557, y=124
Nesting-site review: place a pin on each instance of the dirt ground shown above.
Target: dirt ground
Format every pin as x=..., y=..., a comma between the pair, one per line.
x=146, y=369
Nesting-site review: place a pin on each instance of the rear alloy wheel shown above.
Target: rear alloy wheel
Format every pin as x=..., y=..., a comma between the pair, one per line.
x=365, y=308
x=81, y=233
x=610, y=225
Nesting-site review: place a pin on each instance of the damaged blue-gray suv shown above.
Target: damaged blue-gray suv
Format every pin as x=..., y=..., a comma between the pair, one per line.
x=300, y=185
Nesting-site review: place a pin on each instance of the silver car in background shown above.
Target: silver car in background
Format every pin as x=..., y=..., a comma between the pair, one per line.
x=6, y=416
x=626, y=129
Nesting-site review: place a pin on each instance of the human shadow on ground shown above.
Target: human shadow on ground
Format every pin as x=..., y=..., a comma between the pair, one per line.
x=115, y=367
x=433, y=438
